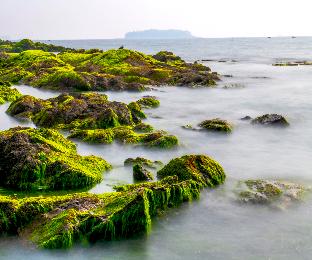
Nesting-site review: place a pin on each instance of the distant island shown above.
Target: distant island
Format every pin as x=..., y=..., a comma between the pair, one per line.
x=159, y=34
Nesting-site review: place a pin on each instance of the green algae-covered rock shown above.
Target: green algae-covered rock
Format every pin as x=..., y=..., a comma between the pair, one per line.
x=60, y=221
x=217, y=125
x=27, y=44
x=148, y=102
x=141, y=174
x=199, y=168
x=7, y=93
x=143, y=128
x=142, y=161
x=278, y=194
x=120, y=69
x=39, y=159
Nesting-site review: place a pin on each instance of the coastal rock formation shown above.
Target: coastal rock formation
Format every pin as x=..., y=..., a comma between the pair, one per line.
x=141, y=174
x=60, y=221
x=270, y=120
x=7, y=93
x=199, y=168
x=26, y=44
x=42, y=159
x=119, y=69
x=93, y=118
x=216, y=125
x=275, y=193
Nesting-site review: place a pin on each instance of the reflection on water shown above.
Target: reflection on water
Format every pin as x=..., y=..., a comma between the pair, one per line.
x=215, y=227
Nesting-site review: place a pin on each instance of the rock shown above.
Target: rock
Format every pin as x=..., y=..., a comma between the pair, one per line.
x=142, y=161
x=141, y=174
x=270, y=120
x=118, y=70
x=234, y=86
x=143, y=128
x=148, y=102
x=275, y=193
x=217, y=125
x=7, y=93
x=199, y=168
x=42, y=159
x=246, y=118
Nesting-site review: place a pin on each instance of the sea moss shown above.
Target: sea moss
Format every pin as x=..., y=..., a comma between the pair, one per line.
x=40, y=159
x=141, y=174
x=7, y=93
x=217, y=125
x=148, y=102
x=199, y=168
x=120, y=69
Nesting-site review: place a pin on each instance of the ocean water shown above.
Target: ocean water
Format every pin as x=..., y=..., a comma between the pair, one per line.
x=216, y=226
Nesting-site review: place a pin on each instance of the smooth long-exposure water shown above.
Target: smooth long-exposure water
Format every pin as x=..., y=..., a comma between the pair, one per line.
x=215, y=227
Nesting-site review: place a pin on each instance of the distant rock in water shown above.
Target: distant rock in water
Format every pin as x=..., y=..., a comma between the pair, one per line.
x=159, y=34
x=270, y=120
x=217, y=125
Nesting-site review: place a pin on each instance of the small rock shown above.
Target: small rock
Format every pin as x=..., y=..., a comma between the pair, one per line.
x=142, y=161
x=217, y=125
x=246, y=118
x=270, y=120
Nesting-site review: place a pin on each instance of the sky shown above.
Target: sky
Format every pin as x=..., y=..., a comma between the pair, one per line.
x=101, y=19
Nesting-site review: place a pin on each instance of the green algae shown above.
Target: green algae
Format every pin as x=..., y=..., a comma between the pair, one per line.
x=217, y=125
x=120, y=69
x=142, y=161
x=199, y=168
x=7, y=93
x=148, y=102
x=141, y=174
x=42, y=159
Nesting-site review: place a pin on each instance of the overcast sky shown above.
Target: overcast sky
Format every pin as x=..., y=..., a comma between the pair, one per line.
x=99, y=19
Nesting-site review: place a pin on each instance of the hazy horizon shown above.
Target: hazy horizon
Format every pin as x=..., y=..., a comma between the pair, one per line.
x=112, y=19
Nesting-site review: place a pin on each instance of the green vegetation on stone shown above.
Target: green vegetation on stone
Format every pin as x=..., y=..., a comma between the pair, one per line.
x=217, y=125
x=7, y=93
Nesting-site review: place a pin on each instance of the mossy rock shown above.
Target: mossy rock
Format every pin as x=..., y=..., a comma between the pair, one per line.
x=217, y=125
x=142, y=161
x=117, y=70
x=143, y=128
x=279, y=194
x=271, y=120
x=148, y=102
x=7, y=93
x=199, y=168
x=141, y=174
x=42, y=159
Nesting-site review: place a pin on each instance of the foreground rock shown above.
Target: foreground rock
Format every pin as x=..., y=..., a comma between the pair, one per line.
x=93, y=118
x=141, y=174
x=7, y=93
x=120, y=69
x=275, y=193
x=42, y=159
x=217, y=125
x=270, y=120
x=60, y=221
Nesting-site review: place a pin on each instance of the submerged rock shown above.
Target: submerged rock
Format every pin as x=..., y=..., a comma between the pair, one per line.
x=217, y=125
x=246, y=118
x=142, y=161
x=119, y=69
x=148, y=102
x=199, y=168
x=141, y=174
x=270, y=120
x=275, y=193
x=60, y=221
x=42, y=159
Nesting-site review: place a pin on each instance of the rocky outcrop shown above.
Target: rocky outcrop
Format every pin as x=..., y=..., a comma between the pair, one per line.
x=271, y=120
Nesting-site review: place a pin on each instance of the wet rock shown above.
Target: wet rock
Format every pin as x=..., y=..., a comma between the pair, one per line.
x=199, y=168
x=293, y=63
x=142, y=161
x=271, y=120
x=141, y=174
x=7, y=93
x=279, y=194
x=246, y=118
x=234, y=86
x=148, y=102
x=42, y=159
x=217, y=125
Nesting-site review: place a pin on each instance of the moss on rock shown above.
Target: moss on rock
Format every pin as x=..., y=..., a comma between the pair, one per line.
x=270, y=120
x=141, y=174
x=42, y=159
x=217, y=125
x=142, y=161
x=7, y=93
x=148, y=102
x=199, y=168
